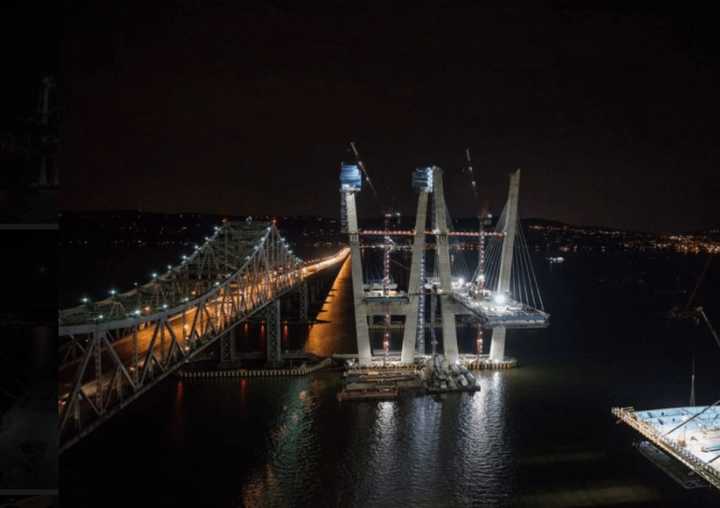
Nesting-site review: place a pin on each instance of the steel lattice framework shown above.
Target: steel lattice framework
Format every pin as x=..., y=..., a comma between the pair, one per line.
x=113, y=351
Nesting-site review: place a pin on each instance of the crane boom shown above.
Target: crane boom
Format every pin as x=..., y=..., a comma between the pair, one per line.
x=714, y=333
x=471, y=172
x=362, y=167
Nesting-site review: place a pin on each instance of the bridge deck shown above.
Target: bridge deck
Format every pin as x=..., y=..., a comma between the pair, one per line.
x=511, y=314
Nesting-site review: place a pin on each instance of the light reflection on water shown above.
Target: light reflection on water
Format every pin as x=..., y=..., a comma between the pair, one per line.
x=419, y=448
x=293, y=446
x=335, y=331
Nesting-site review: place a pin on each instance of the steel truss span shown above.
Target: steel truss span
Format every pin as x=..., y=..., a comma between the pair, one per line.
x=115, y=350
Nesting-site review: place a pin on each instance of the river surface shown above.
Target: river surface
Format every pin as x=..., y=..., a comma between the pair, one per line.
x=538, y=435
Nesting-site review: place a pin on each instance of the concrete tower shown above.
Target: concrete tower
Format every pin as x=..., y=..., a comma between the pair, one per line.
x=415, y=314
x=350, y=184
x=447, y=307
x=497, y=346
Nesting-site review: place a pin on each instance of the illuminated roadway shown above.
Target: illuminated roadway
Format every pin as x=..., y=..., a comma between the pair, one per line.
x=180, y=325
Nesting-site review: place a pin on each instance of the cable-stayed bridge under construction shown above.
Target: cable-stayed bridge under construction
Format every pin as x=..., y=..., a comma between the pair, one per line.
x=501, y=293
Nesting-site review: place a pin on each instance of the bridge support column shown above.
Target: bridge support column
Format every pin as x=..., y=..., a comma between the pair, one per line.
x=361, y=314
x=450, y=345
x=228, y=356
x=509, y=228
x=497, y=346
x=273, y=337
x=304, y=303
x=414, y=331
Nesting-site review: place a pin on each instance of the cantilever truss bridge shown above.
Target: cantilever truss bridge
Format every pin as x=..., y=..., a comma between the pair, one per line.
x=113, y=351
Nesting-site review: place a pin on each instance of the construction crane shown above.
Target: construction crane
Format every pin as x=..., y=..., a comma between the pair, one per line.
x=484, y=219
x=696, y=314
x=362, y=167
x=478, y=278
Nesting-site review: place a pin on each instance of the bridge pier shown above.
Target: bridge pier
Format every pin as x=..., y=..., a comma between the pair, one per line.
x=304, y=303
x=228, y=356
x=497, y=346
x=273, y=333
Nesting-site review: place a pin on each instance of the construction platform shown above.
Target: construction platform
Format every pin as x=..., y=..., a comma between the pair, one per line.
x=378, y=383
x=392, y=361
x=483, y=362
x=691, y=435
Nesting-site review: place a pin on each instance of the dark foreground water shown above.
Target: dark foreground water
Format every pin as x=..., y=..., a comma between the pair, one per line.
x=539, y=435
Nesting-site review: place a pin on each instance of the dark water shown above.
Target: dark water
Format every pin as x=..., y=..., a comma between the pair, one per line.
x=539, y=435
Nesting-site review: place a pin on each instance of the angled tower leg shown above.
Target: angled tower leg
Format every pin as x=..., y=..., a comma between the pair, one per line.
x=361, y=318
x=413, y=327
x=450, y=345
x=433, y=313
x=497, y=346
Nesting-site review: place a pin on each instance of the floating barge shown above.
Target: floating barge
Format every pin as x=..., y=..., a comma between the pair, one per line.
x=375, y=384
x=691, y=435
x=436, y=376
x=370, y=393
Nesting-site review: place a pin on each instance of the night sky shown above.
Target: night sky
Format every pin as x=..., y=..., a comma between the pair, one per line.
x=224, y=107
